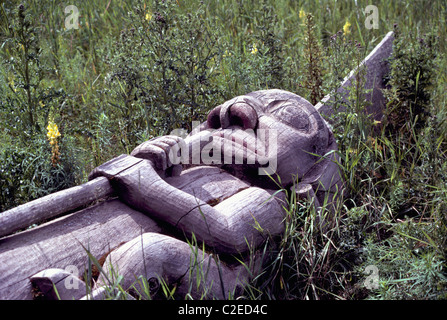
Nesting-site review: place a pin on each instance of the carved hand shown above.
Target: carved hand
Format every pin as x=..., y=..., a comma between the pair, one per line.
x=157, y=150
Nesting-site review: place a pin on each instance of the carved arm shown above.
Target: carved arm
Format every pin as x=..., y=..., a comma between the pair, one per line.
x=227, y=226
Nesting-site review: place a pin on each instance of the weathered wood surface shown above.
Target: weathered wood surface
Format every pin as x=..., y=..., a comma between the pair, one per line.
x=320, y=170
x=227, y=226
x=114, y=166
x=376, y=68
x=156, y=256
x=53, y=205
x=57, y=244
x=209, y=184
x=59, y=284
x=67, y=285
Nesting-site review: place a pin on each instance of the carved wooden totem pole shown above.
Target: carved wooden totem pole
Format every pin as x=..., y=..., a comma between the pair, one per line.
x=140, y=213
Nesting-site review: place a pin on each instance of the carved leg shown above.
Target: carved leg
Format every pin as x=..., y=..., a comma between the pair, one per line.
x=159, y=257
x=62, y=244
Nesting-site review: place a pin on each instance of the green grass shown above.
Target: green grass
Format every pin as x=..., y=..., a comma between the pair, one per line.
x=121, y=79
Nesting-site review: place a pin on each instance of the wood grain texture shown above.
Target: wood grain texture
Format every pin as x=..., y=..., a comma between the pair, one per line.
x=156, y=257
x=57, y=244
x=67, y=285
x=53, y=205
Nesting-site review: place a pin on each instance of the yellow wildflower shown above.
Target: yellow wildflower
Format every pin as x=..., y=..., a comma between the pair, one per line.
x=148, y=16
x=53, y=132
x=346, y=27
x=254, y=49
x=52, y=135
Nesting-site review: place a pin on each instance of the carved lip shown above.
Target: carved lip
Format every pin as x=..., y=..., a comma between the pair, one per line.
x=241, y=144
x=232, y=145
x=238, y=136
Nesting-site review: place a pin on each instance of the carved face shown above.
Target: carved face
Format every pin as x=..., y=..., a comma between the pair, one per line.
x=272, y=129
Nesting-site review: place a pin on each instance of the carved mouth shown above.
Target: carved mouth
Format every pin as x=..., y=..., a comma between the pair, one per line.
x=238, y=137
x=230, y=146
x=240, y=146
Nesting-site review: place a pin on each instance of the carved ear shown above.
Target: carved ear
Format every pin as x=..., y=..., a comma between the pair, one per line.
x=325, y=175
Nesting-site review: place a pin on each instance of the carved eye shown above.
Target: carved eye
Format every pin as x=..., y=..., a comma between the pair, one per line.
x=294, y=116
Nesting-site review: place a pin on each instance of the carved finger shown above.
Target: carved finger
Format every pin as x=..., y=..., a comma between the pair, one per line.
x=148, y=150
x=171, y=139
x=139, y=149
x=165, y=147
x=175, y=143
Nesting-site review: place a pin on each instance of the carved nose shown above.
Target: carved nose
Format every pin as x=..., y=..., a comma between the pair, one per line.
x=213, y=119
x=238, y=114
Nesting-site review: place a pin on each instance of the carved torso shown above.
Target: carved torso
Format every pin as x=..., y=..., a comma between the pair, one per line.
x=212, y=185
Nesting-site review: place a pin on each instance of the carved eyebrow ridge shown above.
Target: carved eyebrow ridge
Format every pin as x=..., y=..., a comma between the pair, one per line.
x=278, y=103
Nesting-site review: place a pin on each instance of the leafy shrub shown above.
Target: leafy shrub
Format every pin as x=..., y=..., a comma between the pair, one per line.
x=412, y=66
x=137, y=69
x=163, y=68
x=28, y=173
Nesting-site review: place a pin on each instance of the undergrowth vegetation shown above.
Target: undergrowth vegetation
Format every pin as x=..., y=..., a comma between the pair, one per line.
x=132, y=70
